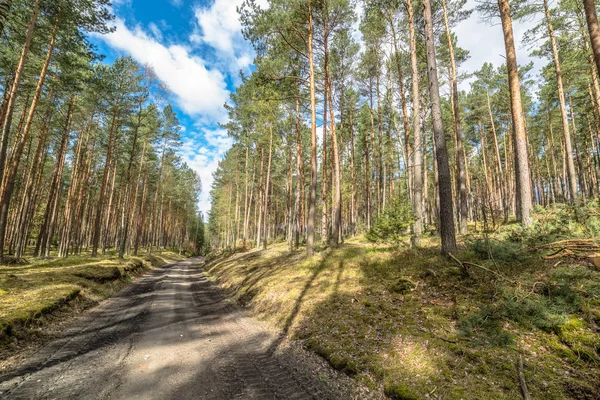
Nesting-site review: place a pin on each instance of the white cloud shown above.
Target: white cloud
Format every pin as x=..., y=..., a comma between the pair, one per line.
x=219, y=27
x=156, y=33
x=220, y=24
x=200, y=91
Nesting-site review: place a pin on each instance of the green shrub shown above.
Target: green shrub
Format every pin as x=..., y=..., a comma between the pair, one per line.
x=499, y=251
x=393, y=222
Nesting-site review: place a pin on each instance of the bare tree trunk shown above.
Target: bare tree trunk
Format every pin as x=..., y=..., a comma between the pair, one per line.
x=407, y=147
x=417, y=199
x=592, y=23
x=444, y=184
x=563, y=107
x=300, y=173
x=462, y=186
x=260, y=197
x=8, y=103
x=268, y=182
x=313, y=144
x=337, y=203
x=246, y=197
x=523, y=180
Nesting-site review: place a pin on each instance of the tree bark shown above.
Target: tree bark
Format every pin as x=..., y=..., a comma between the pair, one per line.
x=462, y=186
x=446, y=211
x=313, y=143
x=10, y=183
x=592, y=23
x=523, y=180
x=562, y=106
x=417, y=199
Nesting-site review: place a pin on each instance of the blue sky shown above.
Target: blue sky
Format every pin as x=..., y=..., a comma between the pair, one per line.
x=197, y=50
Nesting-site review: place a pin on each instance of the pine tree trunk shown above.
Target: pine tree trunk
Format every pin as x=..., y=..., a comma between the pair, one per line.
x=313, y=144
x=592, y=23
x=268, y=182
x=260, y=197
x=324, y=166
x=245, y=226
x=417, y=199
x=444, y=184
x=562, y=105
x=9, y=101
x=462, y=186
x=337, y=203
x=523, y=180
x=299, y=173
x=405, y=124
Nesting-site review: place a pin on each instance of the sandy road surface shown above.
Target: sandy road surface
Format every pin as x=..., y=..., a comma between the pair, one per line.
x=171, y=335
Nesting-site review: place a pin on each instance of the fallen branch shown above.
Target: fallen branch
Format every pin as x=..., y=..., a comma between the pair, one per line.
x=522, y=381
x=466, y=264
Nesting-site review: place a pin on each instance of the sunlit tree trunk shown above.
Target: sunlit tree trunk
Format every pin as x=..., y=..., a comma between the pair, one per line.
x=313, y=144
x=562, y=106
x=417, y=199
x=592, y=23
x=523, y=180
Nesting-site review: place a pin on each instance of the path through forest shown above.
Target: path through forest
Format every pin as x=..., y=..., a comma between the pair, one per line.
x=171, y=335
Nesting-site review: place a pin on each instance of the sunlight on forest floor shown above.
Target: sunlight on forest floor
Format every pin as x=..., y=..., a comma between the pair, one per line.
x=410, y=322
x=29, y=292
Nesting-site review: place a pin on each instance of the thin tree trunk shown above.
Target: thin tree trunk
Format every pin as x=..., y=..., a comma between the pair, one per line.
x=462, y=186
x=417, y=199
x=562, y=105
x=313, y=144
x=10, y=99
x=268, y=182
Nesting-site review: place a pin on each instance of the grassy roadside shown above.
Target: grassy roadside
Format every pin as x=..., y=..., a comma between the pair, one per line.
x=412, y=324
x=30, y=294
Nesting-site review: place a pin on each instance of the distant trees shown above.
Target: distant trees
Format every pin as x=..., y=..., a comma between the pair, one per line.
x=87, y=157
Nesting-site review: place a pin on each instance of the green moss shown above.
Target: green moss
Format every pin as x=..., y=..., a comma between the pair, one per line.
x=398, y=391
x=98, y=273
x=28, y=292
x=403, y=285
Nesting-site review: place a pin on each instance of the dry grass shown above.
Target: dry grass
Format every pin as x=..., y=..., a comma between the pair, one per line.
x=409, y=323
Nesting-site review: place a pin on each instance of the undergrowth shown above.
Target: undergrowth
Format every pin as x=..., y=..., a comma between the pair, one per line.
x=410, y=323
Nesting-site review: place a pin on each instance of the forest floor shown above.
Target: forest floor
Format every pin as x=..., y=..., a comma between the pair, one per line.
x=413, y=324
x=38, y=297
x=173, y=335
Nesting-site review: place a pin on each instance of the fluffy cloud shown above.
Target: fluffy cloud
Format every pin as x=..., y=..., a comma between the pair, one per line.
x=199, y=91
x=219, y=27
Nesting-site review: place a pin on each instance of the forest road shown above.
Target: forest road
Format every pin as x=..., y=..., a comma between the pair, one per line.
x=170, y=335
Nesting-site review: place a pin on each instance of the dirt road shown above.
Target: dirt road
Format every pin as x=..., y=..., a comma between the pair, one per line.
x=171, y=335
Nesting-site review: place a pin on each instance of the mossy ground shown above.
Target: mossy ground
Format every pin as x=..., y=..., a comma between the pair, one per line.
x=30, y=292
x=410, y=323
